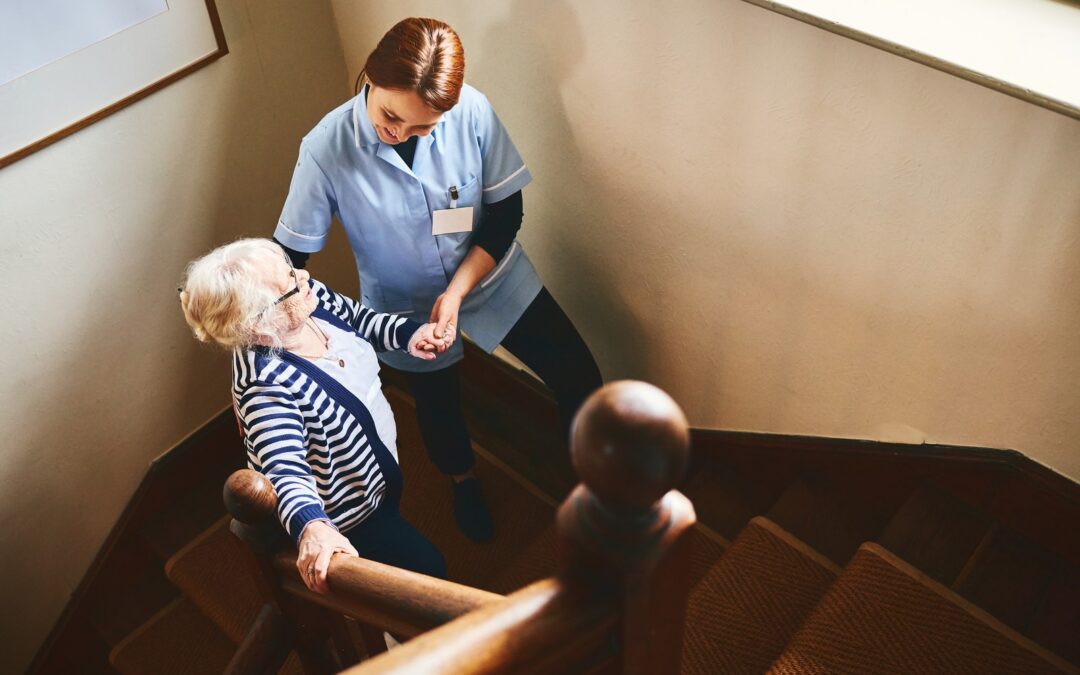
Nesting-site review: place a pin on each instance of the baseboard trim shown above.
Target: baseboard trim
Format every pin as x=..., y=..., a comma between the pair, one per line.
x=1023, y=494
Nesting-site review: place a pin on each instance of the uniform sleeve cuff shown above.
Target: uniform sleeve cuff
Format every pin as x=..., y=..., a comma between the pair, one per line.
x=298, y=242
x=507, y=186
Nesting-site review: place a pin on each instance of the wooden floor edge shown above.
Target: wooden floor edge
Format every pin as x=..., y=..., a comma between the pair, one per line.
x=963, y=603
x=796, y=543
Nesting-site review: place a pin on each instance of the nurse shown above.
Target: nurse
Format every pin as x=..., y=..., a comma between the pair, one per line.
x=427, y=184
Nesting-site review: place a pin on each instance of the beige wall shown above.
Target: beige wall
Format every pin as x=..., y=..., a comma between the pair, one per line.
x=789, y=231
x=100, y=373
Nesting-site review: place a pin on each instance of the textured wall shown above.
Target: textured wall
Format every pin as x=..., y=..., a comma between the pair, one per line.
x=789, y=231
x=100, y=372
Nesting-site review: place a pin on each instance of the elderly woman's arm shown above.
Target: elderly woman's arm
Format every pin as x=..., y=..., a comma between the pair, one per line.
x=274, y=428
x=385, y=332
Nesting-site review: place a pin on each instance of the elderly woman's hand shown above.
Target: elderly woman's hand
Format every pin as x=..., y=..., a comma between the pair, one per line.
x=424, y=345
x=318, y=544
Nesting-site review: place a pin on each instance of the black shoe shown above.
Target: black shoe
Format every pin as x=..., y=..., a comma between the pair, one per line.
x=471, y=512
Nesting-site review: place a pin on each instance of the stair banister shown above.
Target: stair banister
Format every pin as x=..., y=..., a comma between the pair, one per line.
x=377, y=595
x=623, y=577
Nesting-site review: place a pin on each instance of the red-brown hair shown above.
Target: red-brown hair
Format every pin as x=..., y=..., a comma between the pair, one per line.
x=420, y=55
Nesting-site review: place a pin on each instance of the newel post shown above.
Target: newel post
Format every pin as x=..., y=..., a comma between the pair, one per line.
x=252, y=502
x=625, y=529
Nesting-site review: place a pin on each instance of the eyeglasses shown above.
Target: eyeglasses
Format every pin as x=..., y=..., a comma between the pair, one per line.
x=292, y=272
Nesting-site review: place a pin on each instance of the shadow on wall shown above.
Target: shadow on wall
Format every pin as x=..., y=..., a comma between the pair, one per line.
x=551, y=34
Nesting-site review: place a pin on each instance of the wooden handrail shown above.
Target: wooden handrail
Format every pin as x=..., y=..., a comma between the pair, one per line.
x=546, y=627
x=619, y=595
x=403, y=602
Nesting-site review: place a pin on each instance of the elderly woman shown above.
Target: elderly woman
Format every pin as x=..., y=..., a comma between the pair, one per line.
x=307, y=393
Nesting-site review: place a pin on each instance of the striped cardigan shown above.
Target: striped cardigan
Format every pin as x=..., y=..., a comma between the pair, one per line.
x=314, y=439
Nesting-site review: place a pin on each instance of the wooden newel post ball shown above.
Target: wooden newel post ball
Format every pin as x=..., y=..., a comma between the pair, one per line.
x=630, y=444
x=249, y=496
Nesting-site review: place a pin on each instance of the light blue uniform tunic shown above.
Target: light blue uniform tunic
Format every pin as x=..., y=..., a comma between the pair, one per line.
x=386, y=208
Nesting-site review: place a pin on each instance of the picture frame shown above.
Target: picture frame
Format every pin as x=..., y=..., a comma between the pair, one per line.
x=59, y=98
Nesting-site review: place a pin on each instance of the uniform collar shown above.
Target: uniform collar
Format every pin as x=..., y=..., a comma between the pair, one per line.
x=364, y=134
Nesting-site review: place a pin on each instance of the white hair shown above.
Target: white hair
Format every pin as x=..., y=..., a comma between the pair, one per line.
x=225, y=300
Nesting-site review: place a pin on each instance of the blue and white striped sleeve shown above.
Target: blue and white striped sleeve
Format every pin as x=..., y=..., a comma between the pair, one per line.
x=385, y=332
x=504, y=171
x=274, y=433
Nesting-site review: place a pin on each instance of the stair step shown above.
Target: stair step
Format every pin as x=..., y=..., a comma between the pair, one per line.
x=190, y=515
x=724, y=500
x=521, y=513
x=745, y=608
x=935, y=533
x=179, y=640
x=1057, y=624
x=1008, y=576
x=825, y=518
x=117, y=609
x=884, y=616
x=212, y=572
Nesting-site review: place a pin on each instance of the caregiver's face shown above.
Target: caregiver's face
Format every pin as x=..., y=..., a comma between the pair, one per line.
x=398, y=115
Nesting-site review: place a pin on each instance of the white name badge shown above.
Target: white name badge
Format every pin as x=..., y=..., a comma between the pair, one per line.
x=451, y=221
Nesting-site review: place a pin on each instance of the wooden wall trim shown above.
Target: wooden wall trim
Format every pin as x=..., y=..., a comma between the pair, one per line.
x=1023, y=494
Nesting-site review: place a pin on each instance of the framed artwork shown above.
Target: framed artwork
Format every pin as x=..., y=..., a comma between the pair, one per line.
x=65, y=64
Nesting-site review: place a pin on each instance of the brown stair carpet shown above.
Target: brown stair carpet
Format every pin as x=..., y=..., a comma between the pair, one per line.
x=178, y=640
x=522, y=516
x=211, y=571
x=744, y=610
x=884, y=616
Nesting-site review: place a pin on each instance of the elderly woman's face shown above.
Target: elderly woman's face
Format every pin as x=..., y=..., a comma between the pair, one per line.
x=281, y=278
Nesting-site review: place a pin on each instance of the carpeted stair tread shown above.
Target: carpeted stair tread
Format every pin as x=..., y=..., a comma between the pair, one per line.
x=178, y=640
x=521, y=515
x=212, y=572
x=936, y=533
x=884, y=616
x=745, y=608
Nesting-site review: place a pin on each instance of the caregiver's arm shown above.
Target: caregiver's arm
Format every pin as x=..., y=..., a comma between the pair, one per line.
x=499, y=225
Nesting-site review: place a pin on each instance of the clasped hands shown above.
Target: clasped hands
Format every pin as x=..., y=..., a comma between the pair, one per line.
x=439, y=335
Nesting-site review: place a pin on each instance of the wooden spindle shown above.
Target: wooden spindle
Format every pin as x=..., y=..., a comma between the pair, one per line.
x=625, y=530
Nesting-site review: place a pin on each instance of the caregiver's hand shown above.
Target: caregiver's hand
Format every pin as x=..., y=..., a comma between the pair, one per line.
x=319, y=542
x=445, y=316
x=424, y=345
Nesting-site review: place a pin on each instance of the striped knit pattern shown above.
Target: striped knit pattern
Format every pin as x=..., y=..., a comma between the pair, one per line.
x=314, y=451
x=883, y=616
